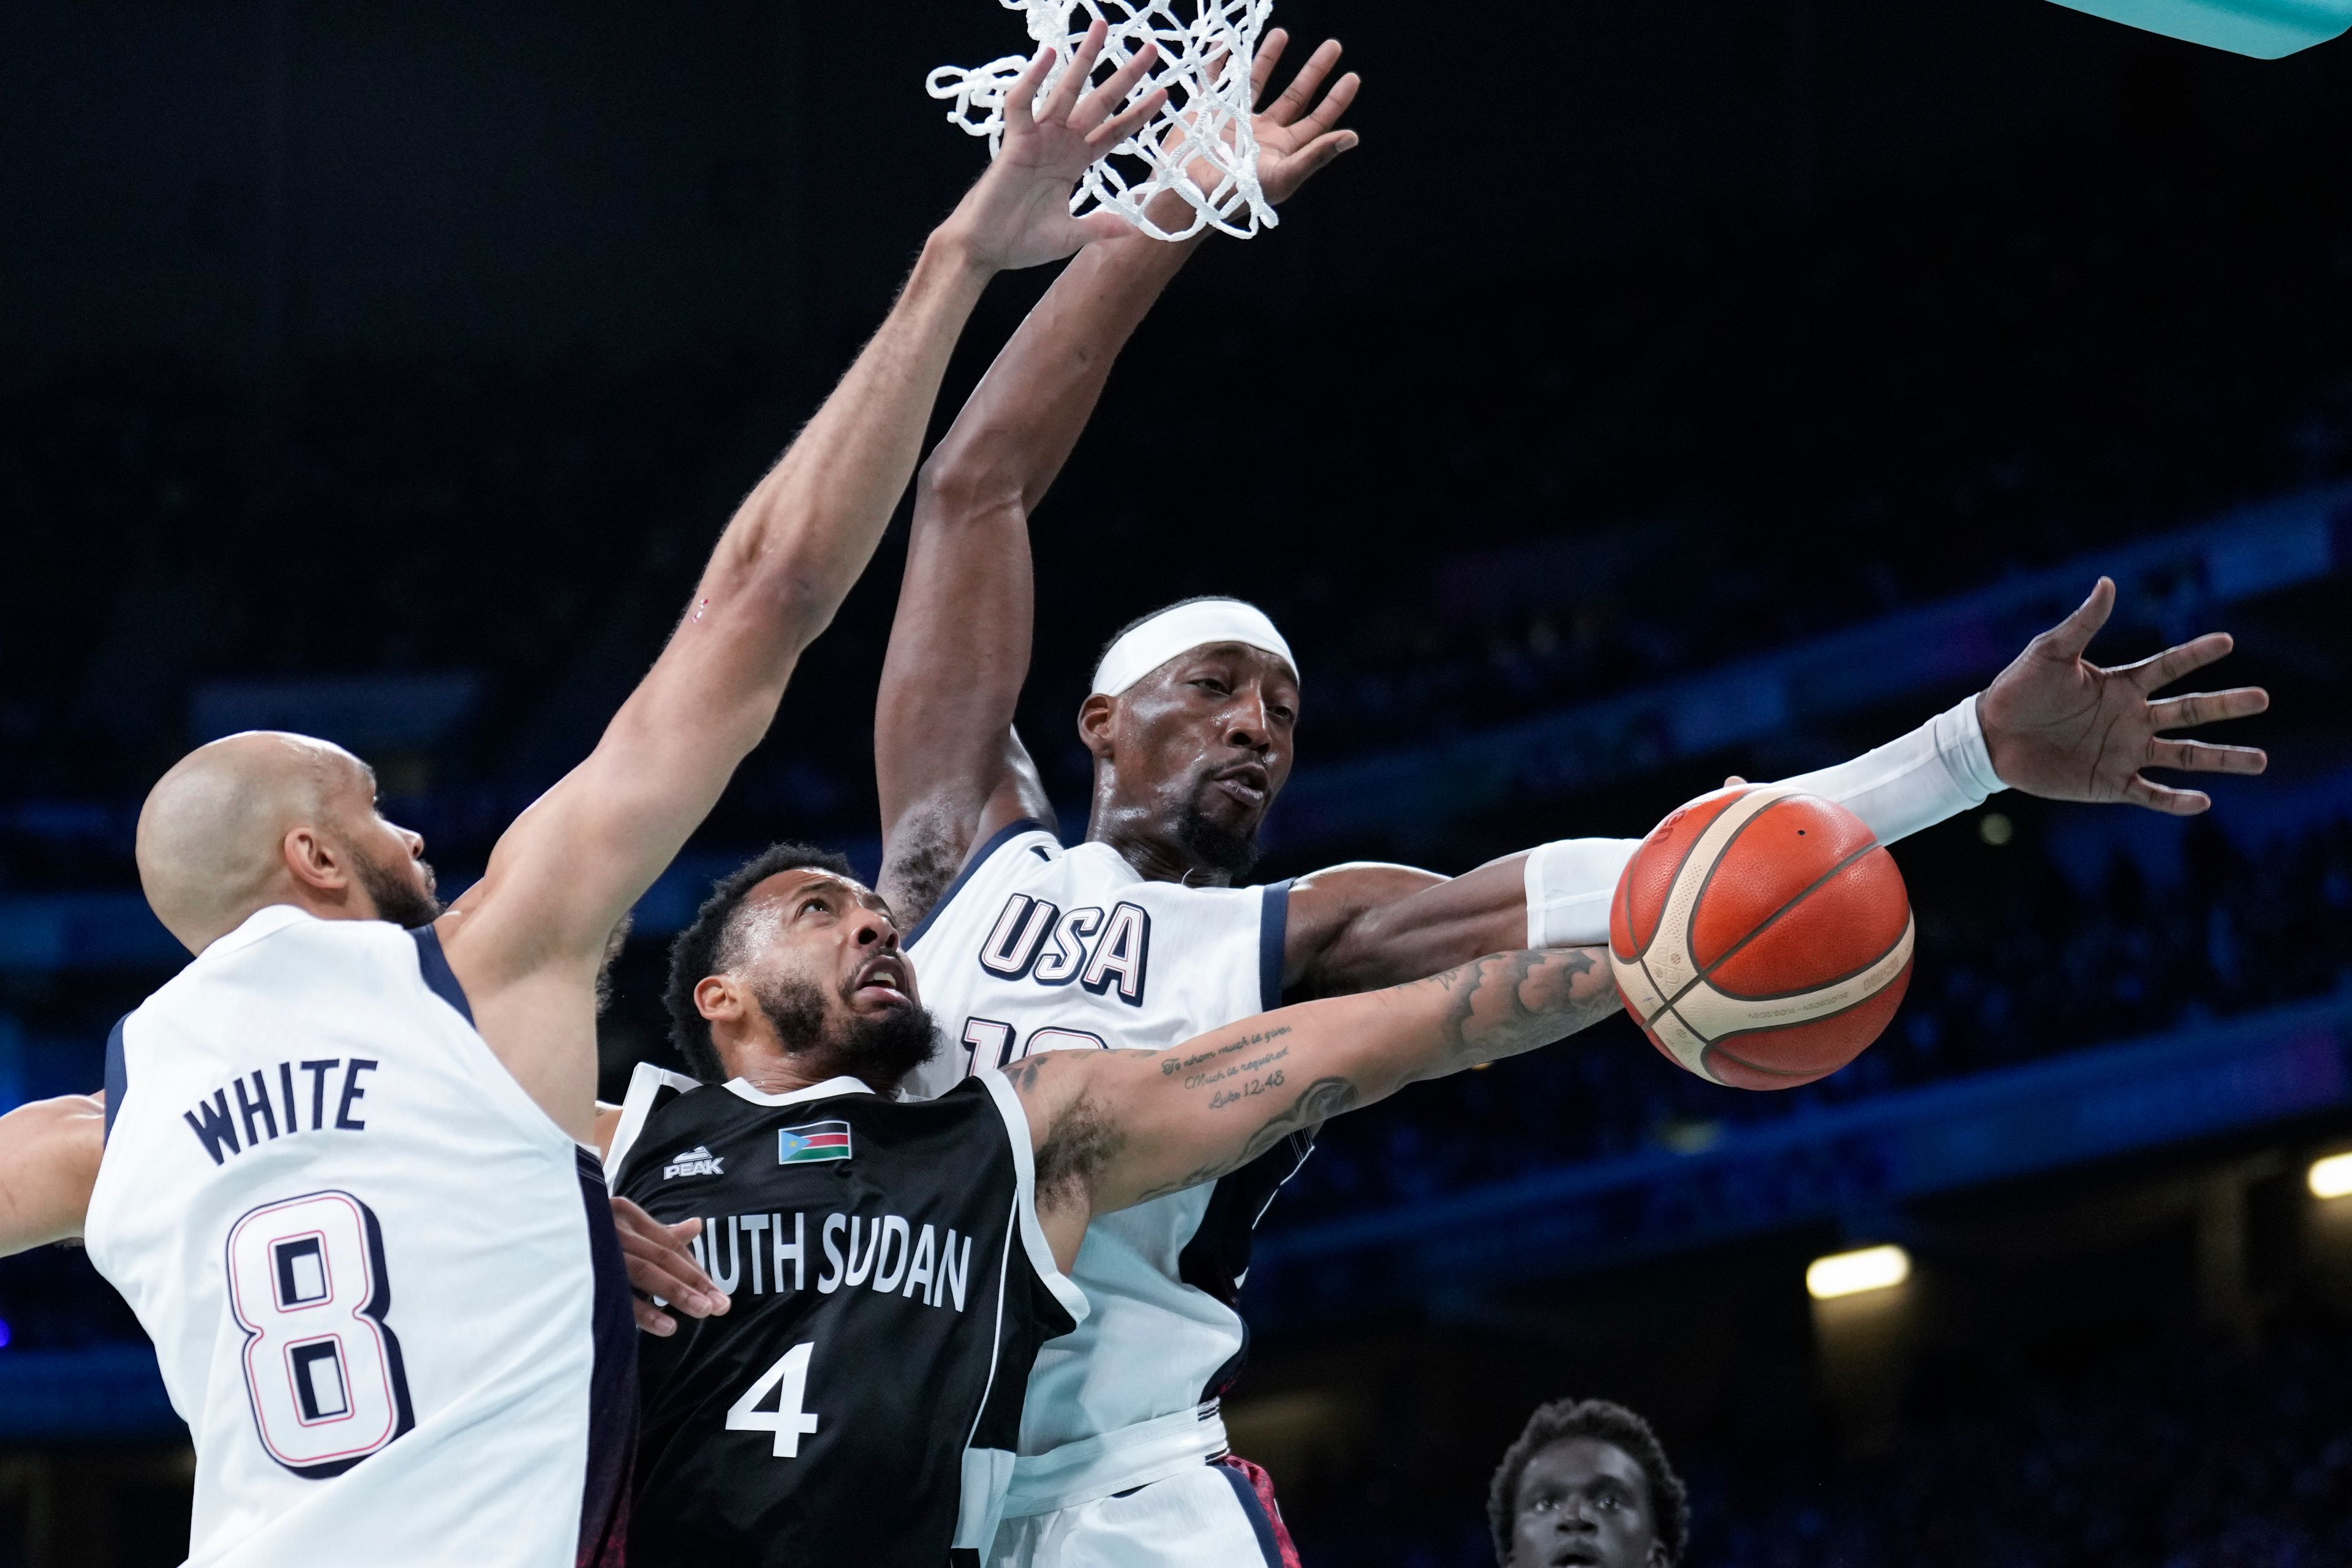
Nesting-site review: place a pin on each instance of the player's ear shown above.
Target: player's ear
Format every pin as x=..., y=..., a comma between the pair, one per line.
x=716, y=998
x=315, y=859
x=1094, y=725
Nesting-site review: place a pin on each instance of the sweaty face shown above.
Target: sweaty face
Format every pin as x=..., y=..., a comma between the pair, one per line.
x=1198, y=749
x=388, y=861
x=1585, y=1504
x=820, y=955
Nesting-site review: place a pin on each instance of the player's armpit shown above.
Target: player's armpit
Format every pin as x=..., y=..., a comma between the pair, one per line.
x=1361, y=926
x=1172, y=1120
x=49, y=1153
x=1071, y=1138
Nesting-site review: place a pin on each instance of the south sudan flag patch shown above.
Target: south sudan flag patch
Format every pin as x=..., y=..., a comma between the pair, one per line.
x=817, y=1141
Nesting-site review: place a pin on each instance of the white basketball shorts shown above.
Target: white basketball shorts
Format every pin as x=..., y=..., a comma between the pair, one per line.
x=1220, y=1515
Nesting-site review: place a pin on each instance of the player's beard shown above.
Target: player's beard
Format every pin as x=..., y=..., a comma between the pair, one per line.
x=397, y=898
x=878, y=1049
x=1214, y=846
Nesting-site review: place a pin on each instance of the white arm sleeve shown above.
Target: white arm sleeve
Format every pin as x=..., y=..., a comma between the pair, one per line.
x=1938, y=770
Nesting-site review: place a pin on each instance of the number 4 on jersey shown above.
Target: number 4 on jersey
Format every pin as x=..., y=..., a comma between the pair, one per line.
x=788, y=1421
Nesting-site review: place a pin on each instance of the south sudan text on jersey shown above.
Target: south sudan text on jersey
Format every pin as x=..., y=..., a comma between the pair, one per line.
x=861, y=1400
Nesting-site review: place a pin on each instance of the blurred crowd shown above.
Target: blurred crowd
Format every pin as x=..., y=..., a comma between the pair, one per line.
x=1465, y=521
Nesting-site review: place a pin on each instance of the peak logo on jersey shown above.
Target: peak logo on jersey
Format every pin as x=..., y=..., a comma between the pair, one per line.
x=697, y=1161
x=817, y=1141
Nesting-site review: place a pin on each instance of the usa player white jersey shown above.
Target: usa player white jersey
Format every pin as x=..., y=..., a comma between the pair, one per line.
x=384, y=1287
x=1036, y=948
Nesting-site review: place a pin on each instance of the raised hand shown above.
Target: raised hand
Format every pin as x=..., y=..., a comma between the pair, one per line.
x=1018, y=213
x=2059, y=726
x=1296, y=136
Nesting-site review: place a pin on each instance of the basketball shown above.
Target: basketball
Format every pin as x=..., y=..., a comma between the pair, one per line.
x=1761, y=937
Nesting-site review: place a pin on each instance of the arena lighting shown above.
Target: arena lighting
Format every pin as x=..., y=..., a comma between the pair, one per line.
x=1871, y=1268
x=2330, y=1177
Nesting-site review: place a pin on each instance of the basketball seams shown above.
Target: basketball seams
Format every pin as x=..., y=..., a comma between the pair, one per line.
x=1675, y=878
x=1807, y=1076
x=1682, y=895
x=1892, y=963
x=1823, y=880
x=1699, y=899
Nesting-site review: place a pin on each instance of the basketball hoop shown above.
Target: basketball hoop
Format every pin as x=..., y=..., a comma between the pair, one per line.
x=1205, y=50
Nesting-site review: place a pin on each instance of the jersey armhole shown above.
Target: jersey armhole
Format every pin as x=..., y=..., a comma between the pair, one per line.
x=1024, y=1169
x=1273, y=943
x=433, y=964
x=972, y=866
x=117, y=1077
x=646, y=1084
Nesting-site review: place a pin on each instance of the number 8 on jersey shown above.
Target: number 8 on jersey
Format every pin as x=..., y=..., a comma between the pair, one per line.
x=307, y=1284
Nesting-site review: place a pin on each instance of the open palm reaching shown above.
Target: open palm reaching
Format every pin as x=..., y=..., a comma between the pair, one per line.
x=1018, y=213
x=2058, y=726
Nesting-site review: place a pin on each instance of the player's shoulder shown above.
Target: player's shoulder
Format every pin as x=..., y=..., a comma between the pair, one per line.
x=1018, y=853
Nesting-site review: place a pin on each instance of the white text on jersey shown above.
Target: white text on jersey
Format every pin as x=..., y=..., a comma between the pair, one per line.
x=1100, y=952
x=886, y=1253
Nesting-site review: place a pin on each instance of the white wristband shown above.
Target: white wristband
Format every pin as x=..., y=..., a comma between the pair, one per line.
x=1938, y=770
x=1569, y=884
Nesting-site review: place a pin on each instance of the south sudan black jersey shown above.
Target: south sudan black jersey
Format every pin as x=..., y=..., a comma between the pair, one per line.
x=859, y=1405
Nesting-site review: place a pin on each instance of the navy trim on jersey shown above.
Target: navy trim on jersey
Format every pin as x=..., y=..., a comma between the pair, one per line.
x=439, y=978
x=1272, y=935
x=117, y=1075
x=972, y=866
x=612, y=1411
x=1254, y=1508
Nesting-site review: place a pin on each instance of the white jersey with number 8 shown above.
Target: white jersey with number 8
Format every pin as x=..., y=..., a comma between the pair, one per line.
x=383, y=1285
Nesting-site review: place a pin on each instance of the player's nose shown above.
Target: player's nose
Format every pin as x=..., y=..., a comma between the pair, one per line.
x=415, y=844
x=875, y=929
x=1245, y=720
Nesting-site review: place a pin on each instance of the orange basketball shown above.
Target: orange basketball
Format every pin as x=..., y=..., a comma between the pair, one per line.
x=1761, y=937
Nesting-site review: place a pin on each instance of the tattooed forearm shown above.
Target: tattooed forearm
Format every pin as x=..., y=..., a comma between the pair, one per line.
x=1512, y=1002
x=1173, y=1062
x=1317, y=1104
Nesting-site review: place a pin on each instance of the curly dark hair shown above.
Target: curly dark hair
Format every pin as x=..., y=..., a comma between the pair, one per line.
x=1604, y=1422
x=700, y=949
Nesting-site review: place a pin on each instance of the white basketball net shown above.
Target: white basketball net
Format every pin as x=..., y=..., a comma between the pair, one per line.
x=1205, y=50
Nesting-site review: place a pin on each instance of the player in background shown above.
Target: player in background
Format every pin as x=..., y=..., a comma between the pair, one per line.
x=1587, y=1483
x=1142, y=934
x=338, y=1168
x=897, y=1263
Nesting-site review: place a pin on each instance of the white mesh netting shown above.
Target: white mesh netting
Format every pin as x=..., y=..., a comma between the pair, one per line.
x=1205, y=50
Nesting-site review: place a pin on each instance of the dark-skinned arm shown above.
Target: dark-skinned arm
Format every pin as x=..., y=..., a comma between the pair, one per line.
x=950, y=770
x=1111, y=1129
x=2055, y=725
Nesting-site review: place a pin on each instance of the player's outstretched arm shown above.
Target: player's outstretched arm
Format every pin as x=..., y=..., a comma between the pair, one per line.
x=1117, y=1127
x=950, y=770
x=49, y=1163
x=526, y=938
x=2051, y=724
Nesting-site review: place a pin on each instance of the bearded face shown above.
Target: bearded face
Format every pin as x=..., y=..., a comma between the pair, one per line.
x=876, y=1049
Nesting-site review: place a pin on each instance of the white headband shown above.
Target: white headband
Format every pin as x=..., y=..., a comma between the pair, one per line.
x=1181, y=628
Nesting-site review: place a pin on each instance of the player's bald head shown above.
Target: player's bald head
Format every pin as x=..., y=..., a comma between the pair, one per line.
x=212, y=835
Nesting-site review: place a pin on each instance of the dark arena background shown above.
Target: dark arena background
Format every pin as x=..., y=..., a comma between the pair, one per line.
x=1665, y=389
